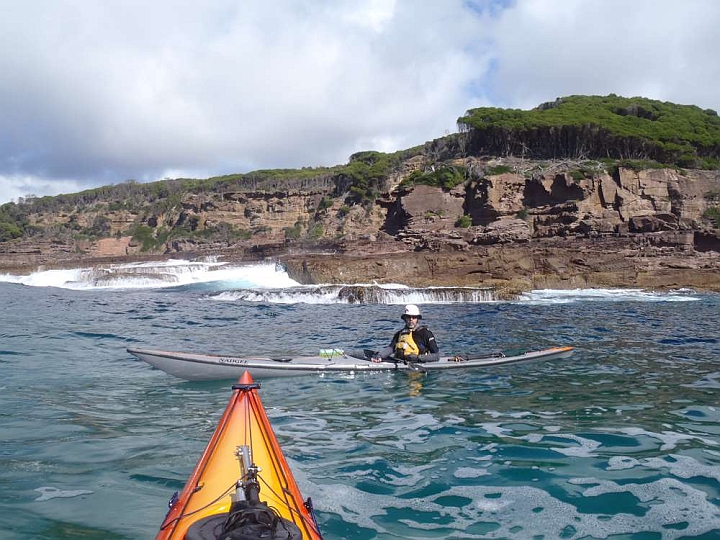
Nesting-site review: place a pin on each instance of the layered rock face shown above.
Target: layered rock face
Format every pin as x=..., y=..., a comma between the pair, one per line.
x=637, y=228
x=512, y=224
x=511, y=268
x=513, y=208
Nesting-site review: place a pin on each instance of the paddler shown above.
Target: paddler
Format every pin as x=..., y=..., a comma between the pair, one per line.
x=414, y=343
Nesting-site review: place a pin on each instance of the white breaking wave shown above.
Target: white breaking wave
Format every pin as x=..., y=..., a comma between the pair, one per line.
x=265, y=282
x=269, y=283
x=391, y=294
x=551, y=296
x=161, y=274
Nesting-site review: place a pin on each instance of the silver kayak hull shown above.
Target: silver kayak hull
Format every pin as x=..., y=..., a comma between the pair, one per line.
x=204, y=367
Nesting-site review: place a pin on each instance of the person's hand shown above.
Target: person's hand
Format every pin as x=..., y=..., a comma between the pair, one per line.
x=376, y=359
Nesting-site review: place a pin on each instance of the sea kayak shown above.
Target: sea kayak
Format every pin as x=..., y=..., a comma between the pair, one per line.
x=194, y=366
x=242, y=482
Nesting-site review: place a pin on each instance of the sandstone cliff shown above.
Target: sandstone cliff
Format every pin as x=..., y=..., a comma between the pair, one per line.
x=547, y=228
x=510, y=223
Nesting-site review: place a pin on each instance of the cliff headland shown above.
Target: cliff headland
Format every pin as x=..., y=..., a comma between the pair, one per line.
x=581, y=192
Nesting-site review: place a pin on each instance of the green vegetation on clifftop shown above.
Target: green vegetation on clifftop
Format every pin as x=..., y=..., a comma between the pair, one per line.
x=595, y=126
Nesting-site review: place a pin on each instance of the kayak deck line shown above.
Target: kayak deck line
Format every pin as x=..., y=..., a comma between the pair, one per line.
x=197, y=366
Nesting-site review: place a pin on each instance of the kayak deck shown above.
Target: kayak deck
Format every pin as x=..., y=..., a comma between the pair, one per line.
x=195, y=366
x=208, y=490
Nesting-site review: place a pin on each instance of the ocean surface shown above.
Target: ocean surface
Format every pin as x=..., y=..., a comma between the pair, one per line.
x=621, y=441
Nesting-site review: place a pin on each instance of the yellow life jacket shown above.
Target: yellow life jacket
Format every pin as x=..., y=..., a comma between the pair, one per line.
x=406, y=344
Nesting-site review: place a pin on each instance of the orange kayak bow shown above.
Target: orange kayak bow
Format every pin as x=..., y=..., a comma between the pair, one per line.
x=242, y=480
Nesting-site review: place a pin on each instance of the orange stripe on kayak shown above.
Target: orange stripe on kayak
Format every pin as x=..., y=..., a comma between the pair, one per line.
x=244, y=408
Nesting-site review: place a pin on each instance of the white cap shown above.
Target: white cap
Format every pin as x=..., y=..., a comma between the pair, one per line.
x=411, y=310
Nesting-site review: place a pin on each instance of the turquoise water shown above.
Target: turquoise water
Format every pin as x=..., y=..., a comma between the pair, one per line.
x=622, y=441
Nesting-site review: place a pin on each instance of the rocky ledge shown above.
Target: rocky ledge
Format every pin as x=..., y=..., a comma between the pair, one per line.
x=656, y=261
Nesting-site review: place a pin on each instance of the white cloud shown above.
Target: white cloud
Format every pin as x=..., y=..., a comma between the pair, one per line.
x=115, y=90
x=101, y=92
x=659, y=49
x=17, y=187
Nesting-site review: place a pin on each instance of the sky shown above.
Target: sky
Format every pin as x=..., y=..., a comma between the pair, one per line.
x=97, y=93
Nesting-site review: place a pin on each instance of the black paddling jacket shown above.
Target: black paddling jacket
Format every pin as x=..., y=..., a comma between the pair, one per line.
x=425, y=341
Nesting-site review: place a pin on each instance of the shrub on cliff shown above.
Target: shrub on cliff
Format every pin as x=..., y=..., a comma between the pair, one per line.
x=446, y=177
x=227, y=232
x=324, y=204
x=366, y=173
x=316, y=231
x=9, y=231
x=144, y=235
x=713, y=216
x=463, y=221
x=294, y=232
x=498, y=169
x=100, y=228
x=13, y=222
